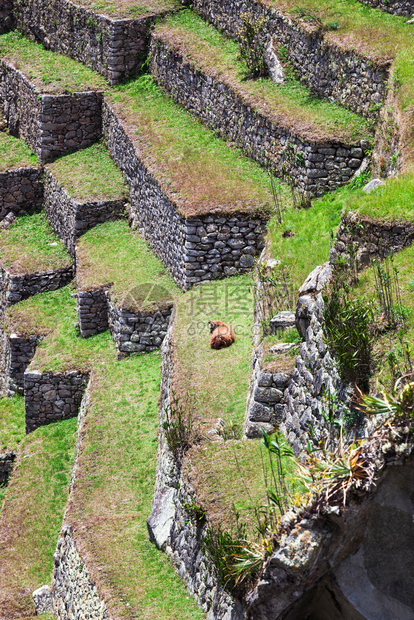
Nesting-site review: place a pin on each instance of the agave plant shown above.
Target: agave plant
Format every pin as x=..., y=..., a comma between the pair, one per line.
x=399, y=404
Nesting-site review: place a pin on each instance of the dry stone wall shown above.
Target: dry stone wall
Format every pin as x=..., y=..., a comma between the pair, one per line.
x=339, y=74
x=6, y=465
x=14, y=288
x=172, y=527
x=16, y=353
x=316, y=167
x=6, y=16
x=266, y=398
x=20, y=190
x=397, y=7
x=92, y=306
x=116, y=48
x=361, y=239
x=50, y=124
x=70, y=218
x=193, y=249
x=50, y=397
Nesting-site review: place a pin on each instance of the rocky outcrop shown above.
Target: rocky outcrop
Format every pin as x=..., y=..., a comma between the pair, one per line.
x=50, y=124
x=343, y=75
x=316, y=167
x=352, y=563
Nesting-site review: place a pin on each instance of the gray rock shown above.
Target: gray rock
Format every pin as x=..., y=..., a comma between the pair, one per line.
x=273, y=64
x=161, y=519
x=317, y=279
x=369, y=187
x=42, y=599
x=282, y=320
x=283, y=347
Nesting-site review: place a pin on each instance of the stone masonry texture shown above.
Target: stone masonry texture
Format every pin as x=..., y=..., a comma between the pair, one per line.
x=193, y=249
x=14, y=288
x=341, y=75
x=397, y=7
x=20, y=190
x=50, y=397
x=70, y=218
x=316, y=167
x=116, y=48
x=50, y=124
x=6, y=16
x=16, y=353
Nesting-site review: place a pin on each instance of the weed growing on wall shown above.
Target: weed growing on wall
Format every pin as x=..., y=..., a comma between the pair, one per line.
x=179, y=426
x=252, y=47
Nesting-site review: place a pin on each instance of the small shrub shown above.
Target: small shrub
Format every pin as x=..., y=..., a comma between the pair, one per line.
x=179, y=426
x=348, y=328
x=252, y=47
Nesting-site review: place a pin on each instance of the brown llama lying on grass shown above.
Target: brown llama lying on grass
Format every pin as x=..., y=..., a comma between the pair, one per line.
x=222, y=335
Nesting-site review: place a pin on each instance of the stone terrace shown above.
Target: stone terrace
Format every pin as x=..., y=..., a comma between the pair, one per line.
x=321, y=149
x=114, y=46
x=34, y=87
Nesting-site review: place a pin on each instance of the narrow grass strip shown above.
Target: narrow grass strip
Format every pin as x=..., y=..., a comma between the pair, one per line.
x=14, y=153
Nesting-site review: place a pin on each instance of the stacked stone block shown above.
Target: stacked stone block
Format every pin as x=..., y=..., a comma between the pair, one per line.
x=361, y=239
x=50, y=397
x=6, y=465
x=342, y=75
x=71, y=218
x=266, y=399
x=50, y=124
x=16, y=353
x=14, y=288
x=92, y=311
x=20, y=190
x=194, y=249
x=397, y=7
x=316, y=167
x=116, y=48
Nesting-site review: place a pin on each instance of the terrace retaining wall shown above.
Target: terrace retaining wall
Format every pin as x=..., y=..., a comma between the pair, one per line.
x=6, y=16
x=14, y=288
x=16, y=353
x=397, y=7
x=360, y=239
x=340, y=74
x=116, y=48
x=20, y=190
x=193, y=249
x=173, y=528
x=50, y=397
x=70, y=218
x=6, y=465
x=266, y=398
x=132, y=331
x=50, y=124
x=315, y=167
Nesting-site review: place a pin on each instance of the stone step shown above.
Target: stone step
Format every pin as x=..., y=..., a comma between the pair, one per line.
x=20, y=177
x=318, y=144
x=123, y=286
x=49, y=101
x=202, y=205
x=111, y=39
x=351, y=67
x=81, y=190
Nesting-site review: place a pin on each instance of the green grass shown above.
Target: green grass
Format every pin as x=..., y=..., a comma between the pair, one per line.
x=51, y=72
x=218, y=379
x=103, y=254
x=15, y=154
x=392, y=342
x=30, y=245
x=201, y=172
x=32, y=513
x=291, y=104
x=130, y=8
x=113, y=494
x=12, y=423
x=89, y=175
